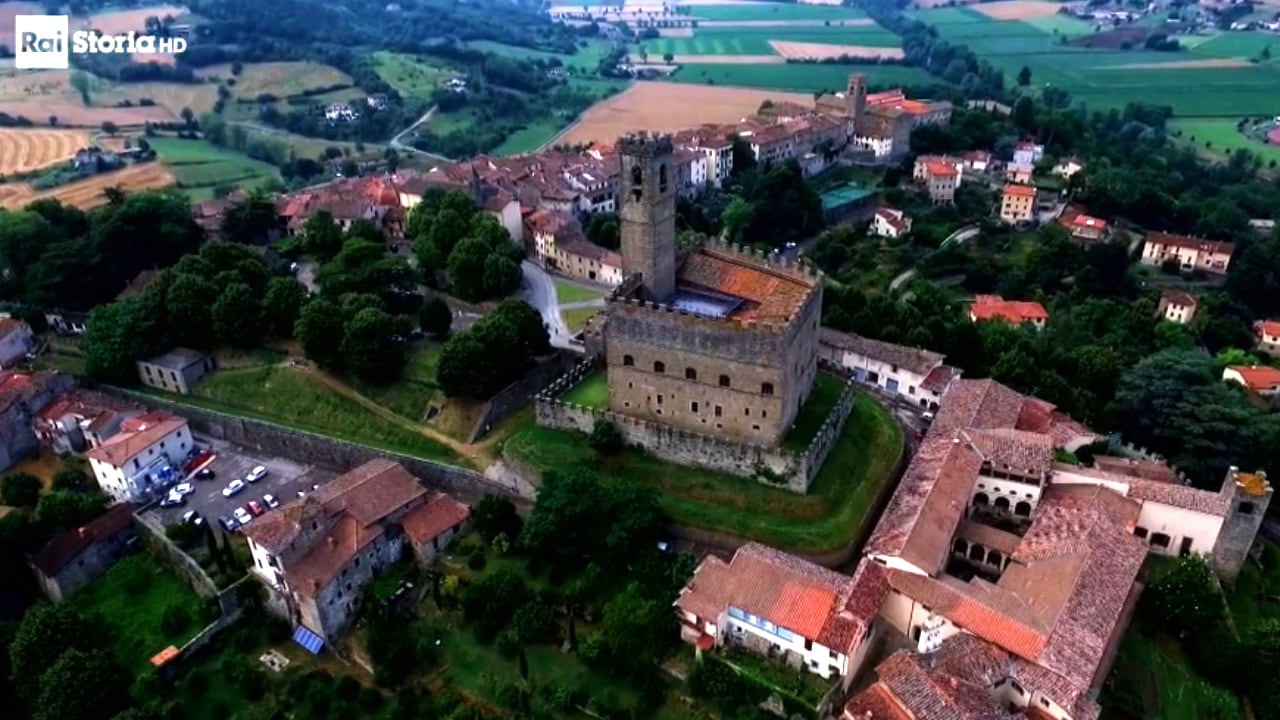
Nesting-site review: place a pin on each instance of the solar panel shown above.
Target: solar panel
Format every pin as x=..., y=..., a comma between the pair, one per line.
x=308, y=640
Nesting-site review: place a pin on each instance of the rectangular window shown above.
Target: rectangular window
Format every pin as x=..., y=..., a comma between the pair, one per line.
x=746, y=411
x=693, y=406
x=719, y=411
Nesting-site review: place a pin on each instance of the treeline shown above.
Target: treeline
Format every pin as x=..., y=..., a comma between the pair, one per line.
x=923, y=48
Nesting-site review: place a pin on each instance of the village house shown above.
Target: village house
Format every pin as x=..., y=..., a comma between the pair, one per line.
x=1189, y=253
x=16, y=341
x=1268, y=332
x=1068, y=167
x=22, y=397
x=75, y=420
x=176, y=371
x=73, y=558
x=144, y=456
x=913, y=375
x=1261, y=380
x=890, y=223
x=341, y=112
x=1082, y=227
x=316, y=555
x=1021, y=173
x=1028, y=153
x=559, y=246
x=1177, y=307
x=920, y=171
x=941, y=180
x=716, y=147
x=1018, y=204
x=977, y=161
x=986, y=308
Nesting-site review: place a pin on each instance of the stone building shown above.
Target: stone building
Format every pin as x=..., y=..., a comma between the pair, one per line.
x=75, y=557
x=176, y=371
x=711, y=339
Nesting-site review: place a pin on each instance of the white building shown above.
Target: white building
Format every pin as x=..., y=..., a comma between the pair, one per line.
x=146, y=454
x=913, y=375
x=16, y=340
x=1067, y=167
x=1177, y=306
x=890, y=223
x=1028, y=153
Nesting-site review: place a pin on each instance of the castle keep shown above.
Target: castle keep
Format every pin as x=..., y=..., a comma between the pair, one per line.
x=713, y=339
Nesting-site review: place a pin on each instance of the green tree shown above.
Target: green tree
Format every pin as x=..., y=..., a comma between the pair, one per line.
x=117, y=335
x=435, y=318
x=19, y=489
x=467, y=265
x=633, y=629
x=535, y=622
x=282, y=305
x=737, y=217
x=321, y=236
x=253, y=221
x=501, y=276
x=605, y=438
x=46, y=632
x=80, y=82
x=448, y=229
x=237, y=316
x=494, y=599
x=24, y=236
x=65, y=509
x=320, y=331
x=1024, y=76
x=577, y=518
x=367, y=350
x=69, y=478
x=495, y=515
x=188, y=305
x=82, y=685
x=366, y=267
x=1185, y=599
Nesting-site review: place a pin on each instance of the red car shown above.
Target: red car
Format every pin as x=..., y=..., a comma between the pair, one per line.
x=254, y=508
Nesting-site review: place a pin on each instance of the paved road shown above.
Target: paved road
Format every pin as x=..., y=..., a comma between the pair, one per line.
x=540, y=291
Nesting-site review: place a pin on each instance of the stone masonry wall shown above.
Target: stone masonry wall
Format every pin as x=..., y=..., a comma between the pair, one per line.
x=308, y=447
x=795, y=471
x=514, y=396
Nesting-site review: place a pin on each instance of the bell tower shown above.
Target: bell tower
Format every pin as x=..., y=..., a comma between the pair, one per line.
x=856, y=95
x=647, y=209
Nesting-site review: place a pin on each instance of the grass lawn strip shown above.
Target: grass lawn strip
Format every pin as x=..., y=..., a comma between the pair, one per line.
x=593, y=391
x=825, y=395
x=576, y=319
x=827, y=518
x=567, y=292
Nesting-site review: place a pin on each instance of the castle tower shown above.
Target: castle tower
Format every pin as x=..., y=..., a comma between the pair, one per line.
x=856, y=96
x=647, y=208
x=1249, y=495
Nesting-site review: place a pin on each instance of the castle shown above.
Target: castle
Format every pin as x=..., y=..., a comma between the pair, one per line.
x=712, y=340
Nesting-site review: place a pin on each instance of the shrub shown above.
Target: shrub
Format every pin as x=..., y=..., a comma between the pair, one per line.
x=605, y=438
x=534, y=622
x=68, y=479
x=477, y=560
x=176, y=619
x=20, y=489
x=501, y=544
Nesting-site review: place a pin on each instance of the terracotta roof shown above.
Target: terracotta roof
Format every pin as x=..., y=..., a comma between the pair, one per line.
x=1174, y=494
x=435, y=516
x=783, y=589
x=977, y=404
x=769, y=294
x=1189, y=242
x=887, y=96
x=994, y=307
x=920, y=362
x=330, y=554
x=1270, y=327
x=876, y=703
x=1025, y=191
x=1177, y=297
x=1258, y=378
x=939, y=378
x=136, y=435
x=67, y=545
x=1018, y=451
x=1148, y=469
x=977, y=156
x=927, y=693
x=941, y=169
x=892, y=218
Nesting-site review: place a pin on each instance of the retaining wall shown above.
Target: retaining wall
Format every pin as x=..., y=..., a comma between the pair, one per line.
x=517, y=394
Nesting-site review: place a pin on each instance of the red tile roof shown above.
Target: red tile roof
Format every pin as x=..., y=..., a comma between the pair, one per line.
x=939, y=378
x=432, y=518
x=926, y=693
x=769, y=294
x=1025, y=191
x=1190, y=242
x=136, y=435
x=994, y=307
x=1177, y=297
x=1270, y=327
x=940, y=169
x=67, y=545
x=1258, y=378
x=876, y=703
x=1148, y=469
x=1155, y=489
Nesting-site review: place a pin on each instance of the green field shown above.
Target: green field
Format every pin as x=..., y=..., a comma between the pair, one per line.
x=1224, y=136
x=832, y=514
x=587, y=57
x=1239, y=45
x=773, y=11
x=568, y=292
x=755, y=40
x=1151, y=675
x=529, y=138
x=801, y=77
x=197, y=164
x=412, y=76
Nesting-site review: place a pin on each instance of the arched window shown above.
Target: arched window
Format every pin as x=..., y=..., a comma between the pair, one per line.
x=994, y=558
x=1001, y=503
x=977, y=553
x=766, y=388
x=724, y=381
x=659, y=366
x=1022, y=509
x=961, y=546
x=637, y=182
x=981, y=500
x=628, y=361
x=690, y=374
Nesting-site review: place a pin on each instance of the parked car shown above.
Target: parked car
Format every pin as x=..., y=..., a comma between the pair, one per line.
x=927, y=416
x=228, y=523
x=256, y=474
x=270, y=501
x=206, y=474
x=242, y=515
x=173, y=500
x=192, y=517
x=185, y=488
x=232, y=488
x=255, y=508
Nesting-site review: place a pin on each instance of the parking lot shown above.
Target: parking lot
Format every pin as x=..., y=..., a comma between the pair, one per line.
x=284, y=480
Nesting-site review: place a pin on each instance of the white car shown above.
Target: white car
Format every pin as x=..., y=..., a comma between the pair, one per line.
x=256, y=474
x=185, y=488
x=232, y=488
x=270, y=501
x=242, y=515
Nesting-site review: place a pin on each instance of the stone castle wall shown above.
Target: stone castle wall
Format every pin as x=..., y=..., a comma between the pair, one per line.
x=772, y=465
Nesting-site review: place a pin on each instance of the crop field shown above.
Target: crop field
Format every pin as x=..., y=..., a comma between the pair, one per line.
x=412, y=76
x=1222, y=138
x=28, y=149
x=587, y=57
x=799, y=78
x=41, y=94
x=197, y=164
x=756, y=12
x=117, y=22
x=668, y=107
x=87, y=193
x=279, y=78
x=757, y=40
x=1226, y=82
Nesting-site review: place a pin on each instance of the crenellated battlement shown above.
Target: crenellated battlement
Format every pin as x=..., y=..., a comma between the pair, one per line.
x=645, y=144
x=799, y=269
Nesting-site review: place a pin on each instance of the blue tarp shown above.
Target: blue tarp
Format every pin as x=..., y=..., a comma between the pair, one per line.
x=308, y=640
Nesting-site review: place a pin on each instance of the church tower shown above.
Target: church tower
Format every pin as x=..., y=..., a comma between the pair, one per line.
x=856, y=96
x=647, y=209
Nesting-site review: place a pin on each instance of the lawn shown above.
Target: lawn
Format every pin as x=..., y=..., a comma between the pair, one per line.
x=801, y=77
x=1224, y=136
x=567, y=292
x=587, y=57
x=1152, y=680
x=591, y=392
x=825, y=395
x=131, y=602
x=408, y=396
x=577, y=318
x=529, y=138
x=1239, y=45
x=198, y=164
x=412, y=76
x=292, y=397
x=833, y=514
x=773, y=11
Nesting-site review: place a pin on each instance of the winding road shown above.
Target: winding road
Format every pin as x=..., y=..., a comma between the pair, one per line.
x=400, y=147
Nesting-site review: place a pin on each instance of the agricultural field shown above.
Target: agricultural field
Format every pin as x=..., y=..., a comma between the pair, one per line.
x=279, y=78
x=756, y=12
x=760, y=40
x=1011, y=35
x=798, y=77
x=412, y=76
x=87, y=193
x=668, y=107
x=1222, y=138
x=587, y=57
x=24, y=150
x=118, y=22
x=197, y=164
